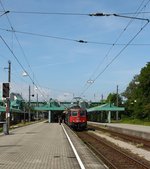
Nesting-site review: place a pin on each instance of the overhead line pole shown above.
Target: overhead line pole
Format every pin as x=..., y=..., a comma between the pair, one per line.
x=9, y=80
x=8, y=100
x=9, y=71
x=37, y=104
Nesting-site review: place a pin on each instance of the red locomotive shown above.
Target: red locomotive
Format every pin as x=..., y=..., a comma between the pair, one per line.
x=76, y=118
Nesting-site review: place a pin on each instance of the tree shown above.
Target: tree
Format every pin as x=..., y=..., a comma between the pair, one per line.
x=131, y=94
x=112, y=98
x=147, y=111
x=138, y=94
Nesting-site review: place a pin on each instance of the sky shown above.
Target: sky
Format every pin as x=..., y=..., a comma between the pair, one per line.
x=60, y=67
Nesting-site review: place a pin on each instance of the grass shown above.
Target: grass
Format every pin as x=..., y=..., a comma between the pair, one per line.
x=135, y=121
x=20, y=125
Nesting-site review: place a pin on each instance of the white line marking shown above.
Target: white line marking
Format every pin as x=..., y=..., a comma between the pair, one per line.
x=74, y=150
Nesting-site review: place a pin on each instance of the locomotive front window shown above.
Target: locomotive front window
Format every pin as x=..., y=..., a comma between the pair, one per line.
x=74, y=113
x=82, y=113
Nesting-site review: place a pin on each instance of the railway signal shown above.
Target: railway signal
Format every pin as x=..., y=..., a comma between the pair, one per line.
x=5, y=90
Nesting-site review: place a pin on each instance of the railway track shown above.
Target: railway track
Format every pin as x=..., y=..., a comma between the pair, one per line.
x=112, y=156
x=135, y=140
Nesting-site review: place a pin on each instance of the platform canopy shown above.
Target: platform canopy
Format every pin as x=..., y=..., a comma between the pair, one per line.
x=3, y=109
x=48, y=108
x=51, y=106
x=106, y=107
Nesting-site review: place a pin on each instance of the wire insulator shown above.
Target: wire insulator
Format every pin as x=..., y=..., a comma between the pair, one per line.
x=82, y=41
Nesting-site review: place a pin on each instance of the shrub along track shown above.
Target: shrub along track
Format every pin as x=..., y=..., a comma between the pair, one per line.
x=113, y=156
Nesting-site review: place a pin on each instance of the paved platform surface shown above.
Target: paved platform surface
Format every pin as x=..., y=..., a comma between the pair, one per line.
x=42, y=146
x=136, y=130
x=38, y=146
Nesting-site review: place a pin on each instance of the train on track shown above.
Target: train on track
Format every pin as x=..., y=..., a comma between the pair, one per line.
x=76, y=118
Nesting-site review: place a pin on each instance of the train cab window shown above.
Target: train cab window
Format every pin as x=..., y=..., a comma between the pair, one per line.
x=74, y=113
x=82, y=113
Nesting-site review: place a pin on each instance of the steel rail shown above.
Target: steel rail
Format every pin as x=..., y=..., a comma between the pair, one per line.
x=109, y=163
x=122, y=153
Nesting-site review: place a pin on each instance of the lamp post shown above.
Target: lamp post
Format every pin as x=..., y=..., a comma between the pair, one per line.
x=30, y=102
x=37, y=113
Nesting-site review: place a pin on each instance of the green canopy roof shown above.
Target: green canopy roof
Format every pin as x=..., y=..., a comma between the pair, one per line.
x=106, y=107
x=53, y=105
x=3, y=109
x=49, y=108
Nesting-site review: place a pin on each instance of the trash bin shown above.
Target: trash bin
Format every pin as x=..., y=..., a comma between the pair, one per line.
x=5, y=129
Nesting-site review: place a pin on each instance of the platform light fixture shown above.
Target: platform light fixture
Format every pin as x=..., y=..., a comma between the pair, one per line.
x=90, y=81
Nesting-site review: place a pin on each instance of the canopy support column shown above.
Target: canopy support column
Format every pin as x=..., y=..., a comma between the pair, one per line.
x=109, y=117
x=37, y=115
x=49, y=116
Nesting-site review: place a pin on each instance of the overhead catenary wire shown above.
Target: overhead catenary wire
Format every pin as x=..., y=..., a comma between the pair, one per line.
x=117, y=15
x=19, y=62
x=130, y=13
x=33, y=80
x=12, y=30
x=43, y=35
x=67, y=13
x=115, y=58
x=14, y=55
x=5, y=12
x=47, y=13
x=121, y=50
x=63, y=38
x=15, y=34
x=93, y=79
x=75, y=40
x=120, y=35
x=82, y=41
x=15, y=73
x=115, y=42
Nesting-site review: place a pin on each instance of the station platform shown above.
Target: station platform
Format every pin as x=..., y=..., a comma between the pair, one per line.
x=129, y=129
x=44, y=146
